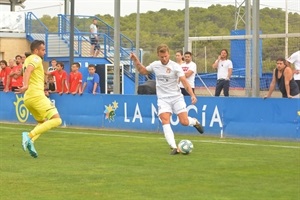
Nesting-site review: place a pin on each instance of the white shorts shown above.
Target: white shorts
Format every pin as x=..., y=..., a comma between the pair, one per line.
x=174, y=105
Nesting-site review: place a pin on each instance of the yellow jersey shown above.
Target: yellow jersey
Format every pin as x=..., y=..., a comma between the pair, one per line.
x=37, y=77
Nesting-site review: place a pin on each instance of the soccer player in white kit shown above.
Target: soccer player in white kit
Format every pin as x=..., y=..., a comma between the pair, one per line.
x=169, y=96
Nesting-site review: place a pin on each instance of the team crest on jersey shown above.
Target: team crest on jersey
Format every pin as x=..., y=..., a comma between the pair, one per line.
x=35, y=59
x=168, y=70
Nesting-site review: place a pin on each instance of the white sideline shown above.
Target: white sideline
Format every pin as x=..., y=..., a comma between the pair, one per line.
x=141, y=137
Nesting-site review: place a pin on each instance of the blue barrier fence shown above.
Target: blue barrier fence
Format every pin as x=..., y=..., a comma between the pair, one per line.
x=274, y=118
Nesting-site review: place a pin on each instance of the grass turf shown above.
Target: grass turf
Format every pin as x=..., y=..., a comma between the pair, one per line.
x=101, y=164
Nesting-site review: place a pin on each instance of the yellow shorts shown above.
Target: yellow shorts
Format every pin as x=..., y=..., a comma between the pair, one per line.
x=40, y=107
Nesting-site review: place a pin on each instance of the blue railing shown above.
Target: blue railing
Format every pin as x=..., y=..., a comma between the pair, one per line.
x=35, y=29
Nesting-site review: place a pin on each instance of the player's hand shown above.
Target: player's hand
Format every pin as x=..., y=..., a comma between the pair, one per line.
x=21, y=90
x=194, y=99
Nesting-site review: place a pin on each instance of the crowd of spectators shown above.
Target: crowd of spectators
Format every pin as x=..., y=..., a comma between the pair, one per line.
x=57, y=80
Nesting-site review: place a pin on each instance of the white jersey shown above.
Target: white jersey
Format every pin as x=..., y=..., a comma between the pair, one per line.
x=295, y=59
x=223, y=67
x=93, y=30
x=166, y=78
x=192, y=67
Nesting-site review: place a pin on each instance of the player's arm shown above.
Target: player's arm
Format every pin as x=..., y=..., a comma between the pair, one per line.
x=188, y=73
x=188, y=88
x=95, y=87
x=138, y=65
x=26, y=76
x=288, y=75
x=272, y=86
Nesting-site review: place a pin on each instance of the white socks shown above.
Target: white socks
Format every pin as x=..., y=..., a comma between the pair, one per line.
x=169, y=135
x=192, y=121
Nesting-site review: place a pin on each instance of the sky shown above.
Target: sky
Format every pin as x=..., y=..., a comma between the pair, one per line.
x=102, y=7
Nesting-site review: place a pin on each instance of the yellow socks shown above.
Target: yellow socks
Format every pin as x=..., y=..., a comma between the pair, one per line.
x=41, y=128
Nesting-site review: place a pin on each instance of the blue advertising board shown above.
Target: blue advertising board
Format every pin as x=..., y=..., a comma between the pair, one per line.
x=234, y=117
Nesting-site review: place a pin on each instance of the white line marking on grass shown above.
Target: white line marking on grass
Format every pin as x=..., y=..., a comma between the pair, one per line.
x=141, y=137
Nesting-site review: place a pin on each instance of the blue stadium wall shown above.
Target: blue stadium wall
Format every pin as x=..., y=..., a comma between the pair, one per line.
x=274, y=118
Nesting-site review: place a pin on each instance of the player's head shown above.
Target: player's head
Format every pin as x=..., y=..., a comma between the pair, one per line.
x=163, y=53
x=75, y=66
x=37, y=47
x=280, y=63
x=179, y=56
x=188, y=56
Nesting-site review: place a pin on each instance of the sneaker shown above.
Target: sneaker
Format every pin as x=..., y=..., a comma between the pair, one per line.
x=174, y=151
x=198, y=126
x=25, y=140
x=31, y=149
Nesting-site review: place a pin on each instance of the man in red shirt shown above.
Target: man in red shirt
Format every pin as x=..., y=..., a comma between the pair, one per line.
x=4, y=74
x=15, y=77
x=61, y=78
x=75, y=79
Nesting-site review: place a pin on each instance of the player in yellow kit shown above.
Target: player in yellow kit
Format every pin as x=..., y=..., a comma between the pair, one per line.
x=41, y=108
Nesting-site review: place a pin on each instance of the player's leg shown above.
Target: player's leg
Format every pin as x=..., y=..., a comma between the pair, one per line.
x=48, y=111
x=164, y=113
x=179, y=108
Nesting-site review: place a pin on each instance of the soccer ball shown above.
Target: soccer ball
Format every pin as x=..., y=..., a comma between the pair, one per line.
x=185, y=146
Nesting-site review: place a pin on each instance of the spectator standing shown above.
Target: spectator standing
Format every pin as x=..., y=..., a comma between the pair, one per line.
x=224, y=67
x=61, y=78
x=15, y=76
x=179, y=57
x=295, y=59
x=190, y=69
x=75, y=79
x=169, y=96
x=93, y=36
x=92, y=82
x=52, y=67
x=4, y=75
x=283, y=76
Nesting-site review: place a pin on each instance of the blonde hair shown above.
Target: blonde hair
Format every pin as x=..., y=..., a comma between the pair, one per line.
x=163, y=48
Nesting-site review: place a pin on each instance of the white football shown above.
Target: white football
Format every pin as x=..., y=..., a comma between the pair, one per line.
x=185, y=146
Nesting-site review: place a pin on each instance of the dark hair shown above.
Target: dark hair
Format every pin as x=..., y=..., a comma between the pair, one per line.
x=188, y=52
x=92, y=65
x=27, y=54
x=36, y=44
x=77, y=64
x=61, y=64
x=3, y=61
x=18, y=56
x=281, y=59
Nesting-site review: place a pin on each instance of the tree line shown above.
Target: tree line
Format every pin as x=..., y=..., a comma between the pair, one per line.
x=167, y=26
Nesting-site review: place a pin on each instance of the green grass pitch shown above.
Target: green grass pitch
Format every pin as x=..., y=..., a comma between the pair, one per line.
x=101, y=164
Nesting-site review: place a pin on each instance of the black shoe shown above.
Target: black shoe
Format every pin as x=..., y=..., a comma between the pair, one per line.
x=199, y=127
x=174, y=151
